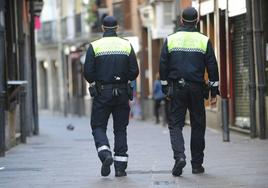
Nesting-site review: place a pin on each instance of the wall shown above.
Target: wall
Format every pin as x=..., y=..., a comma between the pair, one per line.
x=49, y=89
x=265, y=26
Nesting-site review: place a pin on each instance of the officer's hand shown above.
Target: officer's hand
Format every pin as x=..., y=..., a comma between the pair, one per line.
x=165, y=89
x=168, y=98
x=213, y=102
x=214, y=91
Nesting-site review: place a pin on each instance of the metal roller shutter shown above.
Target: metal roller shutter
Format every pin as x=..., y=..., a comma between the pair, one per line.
x=241, y=71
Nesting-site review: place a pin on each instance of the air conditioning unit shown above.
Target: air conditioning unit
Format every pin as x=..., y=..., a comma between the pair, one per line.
x=164, y=16
x=147, y=15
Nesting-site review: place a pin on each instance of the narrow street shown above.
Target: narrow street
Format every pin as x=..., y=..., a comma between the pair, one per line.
x=67, y=158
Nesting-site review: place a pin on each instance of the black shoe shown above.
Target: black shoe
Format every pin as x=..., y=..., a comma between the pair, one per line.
x=179, y=165
x=198, y=170
x=105, y=169
x=120, y=173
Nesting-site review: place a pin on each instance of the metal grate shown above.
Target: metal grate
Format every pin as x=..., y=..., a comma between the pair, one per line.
x=21, y=169
x=164, y=183
x=149, y=172
x=241, y=66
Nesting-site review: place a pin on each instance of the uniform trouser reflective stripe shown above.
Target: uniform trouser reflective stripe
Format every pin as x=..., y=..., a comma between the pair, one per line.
x=214, y=84
x=120, y=158
x=103, y=148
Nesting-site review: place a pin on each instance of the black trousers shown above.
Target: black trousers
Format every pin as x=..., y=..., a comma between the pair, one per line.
x=104, y=105
x=188, y=97
x=157, y=104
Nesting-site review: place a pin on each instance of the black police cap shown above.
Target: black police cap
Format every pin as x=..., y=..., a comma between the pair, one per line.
x=189, y=15
x=109, y=22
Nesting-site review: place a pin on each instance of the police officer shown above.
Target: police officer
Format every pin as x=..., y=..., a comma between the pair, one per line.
x=184, y=57
x=110, y=64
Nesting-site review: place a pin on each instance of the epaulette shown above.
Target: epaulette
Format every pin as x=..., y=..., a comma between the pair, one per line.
x=124, y=38
x=95, y=40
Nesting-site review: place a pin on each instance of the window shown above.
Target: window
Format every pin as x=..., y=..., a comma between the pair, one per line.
x=167, y=12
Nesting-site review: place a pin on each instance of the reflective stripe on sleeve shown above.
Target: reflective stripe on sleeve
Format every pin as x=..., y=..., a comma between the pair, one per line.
x=214, y=84
x=103, y=148
x=164, y=82
x=120, y=158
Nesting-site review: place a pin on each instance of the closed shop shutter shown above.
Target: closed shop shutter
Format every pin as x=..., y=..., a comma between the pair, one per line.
x=241, y=71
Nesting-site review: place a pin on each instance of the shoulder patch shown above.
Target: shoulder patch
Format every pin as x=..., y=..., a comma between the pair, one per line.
x=94, y=41
x=123, y=38
x=172, y=34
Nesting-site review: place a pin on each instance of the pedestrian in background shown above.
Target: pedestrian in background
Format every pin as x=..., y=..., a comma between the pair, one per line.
x=159, y=96
x=184, y=57
x=110, y=64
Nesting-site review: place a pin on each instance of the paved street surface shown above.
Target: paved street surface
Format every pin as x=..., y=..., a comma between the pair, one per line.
x=63, y=158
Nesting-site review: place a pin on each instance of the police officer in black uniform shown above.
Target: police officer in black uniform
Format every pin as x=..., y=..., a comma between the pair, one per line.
x=184, y=57
x=109, y=66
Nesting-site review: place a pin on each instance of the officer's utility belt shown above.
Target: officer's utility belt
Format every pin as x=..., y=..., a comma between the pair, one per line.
x=117, y=89
x=185, y=83
x=181, y=83
x=113, y=86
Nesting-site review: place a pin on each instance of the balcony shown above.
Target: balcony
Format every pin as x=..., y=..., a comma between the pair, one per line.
x=74, y=27
x=48, y=32
x=67, y=28
x=78, y=25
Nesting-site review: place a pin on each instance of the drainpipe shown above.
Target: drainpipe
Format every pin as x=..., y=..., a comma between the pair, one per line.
x=34, y=71
x=142, y=75
x=252, y=80
x=21, y=37
x=2, y=79
x=150, y=60
x=63, y=69
x=258, y=34
x=224, y=100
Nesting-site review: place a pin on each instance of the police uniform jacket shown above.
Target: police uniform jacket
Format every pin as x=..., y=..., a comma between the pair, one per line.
x=186, y=54
x=110, y=59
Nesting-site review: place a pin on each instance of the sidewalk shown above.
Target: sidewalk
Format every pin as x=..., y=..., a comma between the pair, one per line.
x=60, y=158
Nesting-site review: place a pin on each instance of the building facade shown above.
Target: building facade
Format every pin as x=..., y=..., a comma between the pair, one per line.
x=18, y=98
x=239, y=36
x=61, y=44
x=68, y=26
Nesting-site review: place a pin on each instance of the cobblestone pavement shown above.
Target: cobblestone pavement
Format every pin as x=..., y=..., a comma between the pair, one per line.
x=62, y=158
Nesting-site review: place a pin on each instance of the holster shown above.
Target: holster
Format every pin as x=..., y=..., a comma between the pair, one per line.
x=130, y=91
x=206, y=89
x=93, y=90
x=170, y=90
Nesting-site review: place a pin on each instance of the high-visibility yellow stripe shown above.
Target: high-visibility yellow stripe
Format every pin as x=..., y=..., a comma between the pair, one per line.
x=111, y=45
x=187, y=41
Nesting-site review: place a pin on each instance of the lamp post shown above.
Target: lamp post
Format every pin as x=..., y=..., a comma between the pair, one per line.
x=2, y=79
